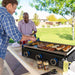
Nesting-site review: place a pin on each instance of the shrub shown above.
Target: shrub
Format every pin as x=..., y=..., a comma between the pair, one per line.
x=43, y=26
x=48, y=26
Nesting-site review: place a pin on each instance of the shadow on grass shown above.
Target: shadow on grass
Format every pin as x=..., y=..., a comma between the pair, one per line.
x=65, y=36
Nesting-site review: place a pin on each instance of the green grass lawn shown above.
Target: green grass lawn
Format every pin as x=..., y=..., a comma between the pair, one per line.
x=56, y=35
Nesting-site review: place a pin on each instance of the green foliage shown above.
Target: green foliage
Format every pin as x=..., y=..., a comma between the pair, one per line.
x=43, y=26
x=19, y=7
x=52, y=18
x=62, y=20
x=21, y=16
x=70, y=20
x=15, y=13
x=61, y=7
x=48, y=26
x=0, y=2
x=18, y=1
x=54, y=25
x=36, y=20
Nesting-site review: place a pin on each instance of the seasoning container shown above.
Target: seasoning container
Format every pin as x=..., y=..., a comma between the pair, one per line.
x=24, y=42
x=39, y=64
x=29, y=41
x=46, y=65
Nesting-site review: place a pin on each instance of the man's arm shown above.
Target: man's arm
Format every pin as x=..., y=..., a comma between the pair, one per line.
x=12, y=31
x=34, y=32
x=24, y=37
x=34, y=29
x=10, y=28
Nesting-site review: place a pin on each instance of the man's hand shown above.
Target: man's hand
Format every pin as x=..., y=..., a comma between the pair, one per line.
x=32, y=38
x=24, y=37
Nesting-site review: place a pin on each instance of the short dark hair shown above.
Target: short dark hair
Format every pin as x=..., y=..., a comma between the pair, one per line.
x=25, y=13
x=6, y=2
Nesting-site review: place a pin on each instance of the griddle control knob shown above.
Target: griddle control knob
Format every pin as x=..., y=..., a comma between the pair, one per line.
x=53, y=61
x=26, y=53
x=39, y=56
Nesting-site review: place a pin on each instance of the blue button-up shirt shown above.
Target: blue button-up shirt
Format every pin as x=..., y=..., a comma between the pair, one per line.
x=8, y=30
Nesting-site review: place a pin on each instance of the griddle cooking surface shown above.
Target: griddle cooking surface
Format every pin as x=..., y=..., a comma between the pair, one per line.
x=61, y=52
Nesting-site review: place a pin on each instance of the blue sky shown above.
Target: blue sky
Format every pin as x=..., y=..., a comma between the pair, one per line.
x=31, y=11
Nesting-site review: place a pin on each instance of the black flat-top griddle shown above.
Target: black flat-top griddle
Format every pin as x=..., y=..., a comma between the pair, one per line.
x=54, y=57
x=60, y=52
x=55, y=51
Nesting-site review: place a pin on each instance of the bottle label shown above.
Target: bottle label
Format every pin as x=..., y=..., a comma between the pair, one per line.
x=29, y=41
x=65, y=66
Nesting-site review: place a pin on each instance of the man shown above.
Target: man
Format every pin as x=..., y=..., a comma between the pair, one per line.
x=26, y=26
x=8, y=28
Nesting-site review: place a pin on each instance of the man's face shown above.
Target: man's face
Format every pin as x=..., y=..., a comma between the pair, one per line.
x=11, y=8
x=26, y=18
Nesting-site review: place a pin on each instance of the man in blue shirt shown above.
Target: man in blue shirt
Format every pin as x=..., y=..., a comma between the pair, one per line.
x=8, y=28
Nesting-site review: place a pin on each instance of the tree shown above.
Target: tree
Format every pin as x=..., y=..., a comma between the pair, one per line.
x=0, y=2
x=62, y=7
x=52, y=18
x=19, y=7
x=21, y=16
x=63, y=20
x=36, y=20
x=70, y=20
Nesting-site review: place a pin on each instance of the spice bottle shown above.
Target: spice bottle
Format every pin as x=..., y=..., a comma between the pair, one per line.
x=39, y=64
x=46, y=65
x=65, y=65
